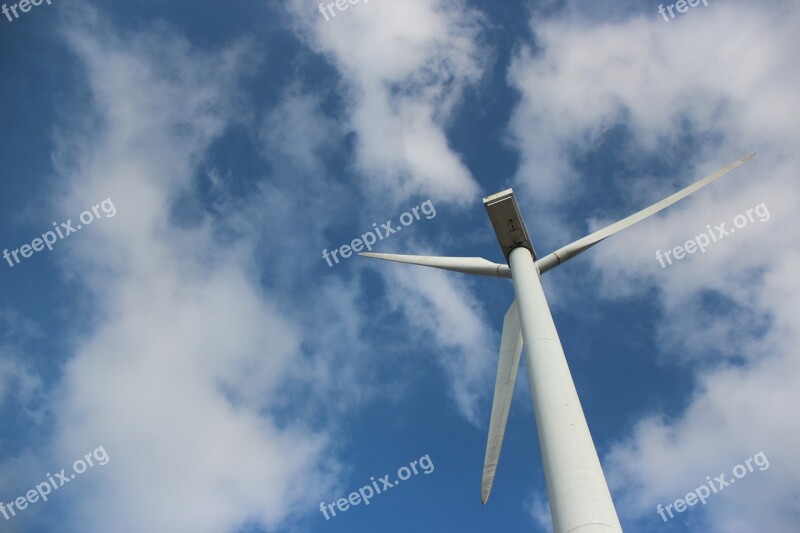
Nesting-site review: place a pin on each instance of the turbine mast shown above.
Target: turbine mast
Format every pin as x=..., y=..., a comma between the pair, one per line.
x=580, y=501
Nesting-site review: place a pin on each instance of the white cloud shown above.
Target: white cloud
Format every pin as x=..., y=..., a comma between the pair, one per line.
x=186, y=364
x=539, y=508
x=17, y=377
x=404, y=67
x=727, y=91
x=450, y=323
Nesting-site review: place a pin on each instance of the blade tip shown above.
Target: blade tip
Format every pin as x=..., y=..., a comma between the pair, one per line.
x=486, y=489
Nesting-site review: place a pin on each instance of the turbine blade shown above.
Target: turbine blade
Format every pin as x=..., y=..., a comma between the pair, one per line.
x=571, y=250
x=468, y=265
x=507, y=367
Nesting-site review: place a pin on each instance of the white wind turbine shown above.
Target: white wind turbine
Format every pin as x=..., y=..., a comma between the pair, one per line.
x=580, y=501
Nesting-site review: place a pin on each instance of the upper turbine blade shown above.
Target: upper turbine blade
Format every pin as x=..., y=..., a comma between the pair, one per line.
x=571, y=250
x=468, y=265
x=507, y=367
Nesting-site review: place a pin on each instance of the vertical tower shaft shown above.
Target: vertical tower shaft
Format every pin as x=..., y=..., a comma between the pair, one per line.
x=580, y=501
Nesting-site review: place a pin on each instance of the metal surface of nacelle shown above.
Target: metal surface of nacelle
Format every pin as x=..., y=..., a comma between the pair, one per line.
x=507, y=221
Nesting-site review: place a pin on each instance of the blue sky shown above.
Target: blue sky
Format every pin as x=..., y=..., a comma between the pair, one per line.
x=193, y=335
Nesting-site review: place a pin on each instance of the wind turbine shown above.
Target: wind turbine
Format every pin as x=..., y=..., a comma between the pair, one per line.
x=580, y=501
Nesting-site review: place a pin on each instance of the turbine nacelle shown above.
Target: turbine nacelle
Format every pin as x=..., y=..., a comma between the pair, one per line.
x=507, y=221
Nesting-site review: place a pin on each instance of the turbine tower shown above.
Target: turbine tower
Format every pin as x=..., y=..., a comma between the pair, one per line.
x=580, y=501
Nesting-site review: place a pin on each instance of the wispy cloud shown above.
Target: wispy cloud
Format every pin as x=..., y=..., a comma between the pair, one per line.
x=404, y=67
x=702, y=94
x=179, y=369
x=450, y=325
